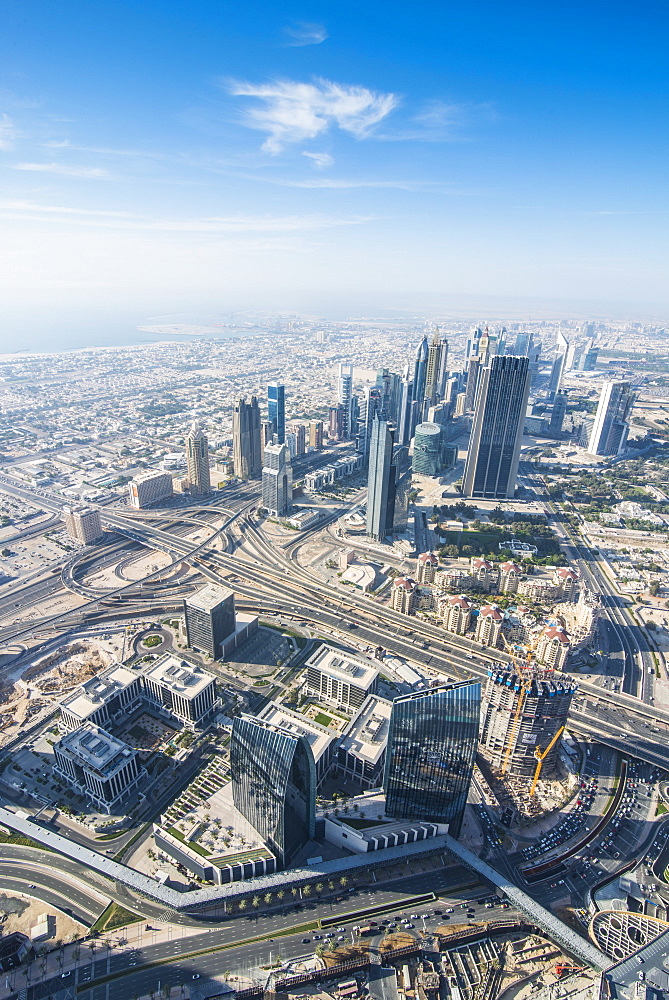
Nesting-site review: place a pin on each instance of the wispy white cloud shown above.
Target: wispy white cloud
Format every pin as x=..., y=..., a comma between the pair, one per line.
x=291, y=112
x=439, y=121
x=305, y=33
x=320, y=160
x=33, y=211
x=93, y=173
x=7, y=132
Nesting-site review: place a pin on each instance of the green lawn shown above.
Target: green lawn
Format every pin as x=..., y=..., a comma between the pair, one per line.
x=322, y=719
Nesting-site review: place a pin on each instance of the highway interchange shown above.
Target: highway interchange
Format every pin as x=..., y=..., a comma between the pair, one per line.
x=269, y=579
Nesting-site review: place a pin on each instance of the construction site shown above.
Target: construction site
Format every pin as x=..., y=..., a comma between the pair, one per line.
x=523, y=718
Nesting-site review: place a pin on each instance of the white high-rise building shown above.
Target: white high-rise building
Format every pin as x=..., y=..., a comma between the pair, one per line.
x=150, y=488
x=345, y=398
x=610, y=428
x=197, y=460
x=83, y=524
x=277, y=480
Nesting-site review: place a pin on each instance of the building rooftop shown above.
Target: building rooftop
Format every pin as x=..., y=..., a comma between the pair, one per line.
x=344, y=666
x=367, y=734
x=209, y=597
x=185, y=679
x=92, y=694
x=96, y=749
x=319, y=737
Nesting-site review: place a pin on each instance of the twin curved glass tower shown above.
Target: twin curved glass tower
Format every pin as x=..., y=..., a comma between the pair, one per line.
x=274, y=784
x=430, y=755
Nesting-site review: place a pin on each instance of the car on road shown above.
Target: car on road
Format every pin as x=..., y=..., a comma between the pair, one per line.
x=64, y=975
x=196, y=975
x=306, y=940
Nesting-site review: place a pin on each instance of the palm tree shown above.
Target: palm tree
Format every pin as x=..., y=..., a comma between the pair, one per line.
x=243, y=903
x=280, y=894
x=294, y=891
x=343, y=881
x=306, y=891
x=319, y=888
x=267, y=898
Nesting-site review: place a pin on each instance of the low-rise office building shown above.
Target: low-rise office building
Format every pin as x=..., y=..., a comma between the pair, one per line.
x=362, y=750
x=99, y=766
x=337, y=677
x=185, y=691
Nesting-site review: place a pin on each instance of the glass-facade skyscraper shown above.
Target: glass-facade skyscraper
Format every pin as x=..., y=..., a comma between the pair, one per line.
x=276, y=410
x=610, y=427
x=497, y=428
x=381, y=481
x=430, y=755
x=274, y=784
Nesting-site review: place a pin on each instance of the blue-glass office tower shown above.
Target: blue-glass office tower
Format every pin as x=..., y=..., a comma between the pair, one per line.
x=274, y=784
x=276, y=410
x=430, y=754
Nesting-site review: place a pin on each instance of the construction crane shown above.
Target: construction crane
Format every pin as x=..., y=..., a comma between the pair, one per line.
x=540, y=757
x=525, y=682
x=563, y=967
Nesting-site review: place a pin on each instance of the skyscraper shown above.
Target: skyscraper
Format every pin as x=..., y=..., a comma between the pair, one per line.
x=246, y=449
x=83, y=524
x=523, y=345
x=345, y=398
x=428, y=449
x=316, y=434
x=381, y=481
x=276, y=410
x=587, y=361
x=209, y=617
x=558, y=413
x=420, y=373
x=371, y=407
x=435, y=378
x=336, y=426
x=404, y=409
x=430, y=754
x=197, y=460
x=610, y=429
x=274, y=784
x=473, y=366
x=497, y=429
x=277, y=480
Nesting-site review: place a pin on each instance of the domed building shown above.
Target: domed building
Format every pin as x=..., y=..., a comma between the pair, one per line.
x=426, y=567
x=405, y=595
x=489, y=626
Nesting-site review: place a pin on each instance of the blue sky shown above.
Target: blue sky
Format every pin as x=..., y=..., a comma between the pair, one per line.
x=162, y=157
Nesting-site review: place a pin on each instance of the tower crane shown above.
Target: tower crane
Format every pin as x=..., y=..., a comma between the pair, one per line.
x=540, y=756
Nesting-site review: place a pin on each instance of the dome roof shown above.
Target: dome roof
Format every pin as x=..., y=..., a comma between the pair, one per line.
x=460, y=601
x=557, y=632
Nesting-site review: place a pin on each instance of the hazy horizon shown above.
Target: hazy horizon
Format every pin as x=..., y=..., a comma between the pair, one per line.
x=330, y=160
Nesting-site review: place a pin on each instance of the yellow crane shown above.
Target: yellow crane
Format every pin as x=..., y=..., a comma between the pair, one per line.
x=512, y=732
x=540, y=757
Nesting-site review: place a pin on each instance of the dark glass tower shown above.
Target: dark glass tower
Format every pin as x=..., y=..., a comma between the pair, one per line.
x=246, y=450
x=497, y=429
x=381, y=481
x=432, y=744
x=274, y=784
x=276, y=410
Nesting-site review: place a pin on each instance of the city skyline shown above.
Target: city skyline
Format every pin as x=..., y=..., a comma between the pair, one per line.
x=258, y=171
